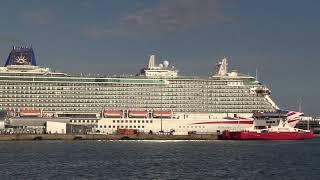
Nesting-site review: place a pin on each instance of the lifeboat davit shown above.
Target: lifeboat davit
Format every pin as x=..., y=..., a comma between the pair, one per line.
x=162, y=114
x=30, y=113
x=108, y=113
x=138, y=114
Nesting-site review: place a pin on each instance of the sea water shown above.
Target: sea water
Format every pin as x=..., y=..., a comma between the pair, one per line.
x=160, y=159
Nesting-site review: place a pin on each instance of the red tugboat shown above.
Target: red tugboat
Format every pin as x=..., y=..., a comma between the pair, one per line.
x=271, y=126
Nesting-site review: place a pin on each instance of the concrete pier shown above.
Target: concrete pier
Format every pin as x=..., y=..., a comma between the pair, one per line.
x=70, y=137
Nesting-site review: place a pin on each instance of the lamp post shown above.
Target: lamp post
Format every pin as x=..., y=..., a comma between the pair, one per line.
x=161, y=130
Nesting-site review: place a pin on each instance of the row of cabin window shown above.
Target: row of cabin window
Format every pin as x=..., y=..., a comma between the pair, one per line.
x=270, y=121
x=84, y=121
x=191, y=126
x=130, y=121
x=105, y=126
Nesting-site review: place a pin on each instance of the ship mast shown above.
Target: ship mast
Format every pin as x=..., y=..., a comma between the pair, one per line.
x=151, y=62
x=222, y=67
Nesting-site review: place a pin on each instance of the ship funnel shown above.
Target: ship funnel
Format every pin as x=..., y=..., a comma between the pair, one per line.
x=21, y=56
x=151, y=62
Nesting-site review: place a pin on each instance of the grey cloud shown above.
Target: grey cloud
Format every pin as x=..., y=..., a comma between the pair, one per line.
x=40, y=17
x=175, y=15
x=167, y=16
x=12, y=39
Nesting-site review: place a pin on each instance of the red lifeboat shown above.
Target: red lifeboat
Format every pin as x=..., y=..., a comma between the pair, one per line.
x=30, y=113
x=109, y=113
x=138, y=114
x=162, y=114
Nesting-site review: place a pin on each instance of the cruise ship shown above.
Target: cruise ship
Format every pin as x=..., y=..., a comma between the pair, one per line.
x=157, y=99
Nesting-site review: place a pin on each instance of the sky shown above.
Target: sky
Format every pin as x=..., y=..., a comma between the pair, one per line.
x=281, y=39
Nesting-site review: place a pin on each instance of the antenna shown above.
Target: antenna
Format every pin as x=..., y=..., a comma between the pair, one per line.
x=300, y=104
x=256, y=74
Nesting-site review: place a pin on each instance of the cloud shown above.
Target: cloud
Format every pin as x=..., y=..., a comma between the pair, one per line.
x=39, y=17
x=166, y=16
x=85, y=3
x=12, y=39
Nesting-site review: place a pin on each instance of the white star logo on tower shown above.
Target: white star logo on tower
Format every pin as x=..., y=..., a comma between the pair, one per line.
x=21, y=59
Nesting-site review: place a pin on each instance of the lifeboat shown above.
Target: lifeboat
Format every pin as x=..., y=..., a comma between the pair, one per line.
x=162, y=114
x=262, y=91
x=108, y=113
x=138, y=114
x=30, y=113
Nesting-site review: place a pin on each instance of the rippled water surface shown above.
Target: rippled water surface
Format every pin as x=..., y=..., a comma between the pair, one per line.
x=160, y=159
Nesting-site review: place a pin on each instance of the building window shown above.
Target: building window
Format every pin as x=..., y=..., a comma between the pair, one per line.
x=100, y=126
x=147, y=121
x=114, y=121
x=105, y=126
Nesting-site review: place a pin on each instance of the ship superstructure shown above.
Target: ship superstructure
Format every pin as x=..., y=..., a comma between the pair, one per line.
x=23, y=84
x=27, y=88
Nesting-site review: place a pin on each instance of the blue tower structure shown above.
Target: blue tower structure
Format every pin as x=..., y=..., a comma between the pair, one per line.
x=21, y=56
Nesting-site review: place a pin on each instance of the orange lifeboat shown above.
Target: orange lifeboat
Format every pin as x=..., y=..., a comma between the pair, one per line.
x=162, y=114
x=109, y=113
x=30, y=113
x=138, y=114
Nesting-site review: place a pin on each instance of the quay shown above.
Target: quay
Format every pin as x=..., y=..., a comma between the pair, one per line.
x=70, y=137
